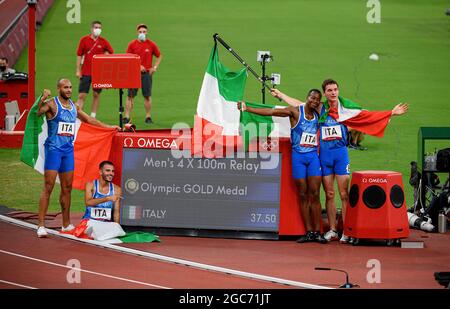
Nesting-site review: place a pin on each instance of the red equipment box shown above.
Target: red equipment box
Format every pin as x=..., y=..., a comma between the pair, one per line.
x=116, y=71
x=376, y=207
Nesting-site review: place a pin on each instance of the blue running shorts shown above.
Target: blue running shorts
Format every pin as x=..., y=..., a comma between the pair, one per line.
x=305, y=164
x=58, y=160
x=335, y=161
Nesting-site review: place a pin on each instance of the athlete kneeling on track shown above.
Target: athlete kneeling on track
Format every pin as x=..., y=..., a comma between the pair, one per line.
x=102, y=197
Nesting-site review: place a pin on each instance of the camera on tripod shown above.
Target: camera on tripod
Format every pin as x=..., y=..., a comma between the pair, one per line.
x=263, y=56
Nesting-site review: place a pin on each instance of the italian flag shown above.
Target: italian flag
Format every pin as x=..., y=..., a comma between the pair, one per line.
x=91, y=146
x=352, y=115
x=254, y=125
x=217, y=122
x=133, y=212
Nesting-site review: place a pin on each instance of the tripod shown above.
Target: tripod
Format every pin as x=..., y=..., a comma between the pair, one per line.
x=265, y=58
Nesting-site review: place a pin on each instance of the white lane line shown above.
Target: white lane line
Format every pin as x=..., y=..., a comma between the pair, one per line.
x=17, y=284
x=83, y=270
x=171, y=259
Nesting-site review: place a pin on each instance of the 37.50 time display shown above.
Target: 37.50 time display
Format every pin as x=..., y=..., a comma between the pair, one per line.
x=262, y=218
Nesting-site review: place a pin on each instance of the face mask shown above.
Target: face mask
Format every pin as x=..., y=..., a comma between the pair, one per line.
x=142, y=36
x=2, y=68
x=97, y=32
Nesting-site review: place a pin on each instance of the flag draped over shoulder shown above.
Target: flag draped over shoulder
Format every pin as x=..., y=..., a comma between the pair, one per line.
x=91, y=146
x=351, y=114
x=217, y=115
x=264, y=126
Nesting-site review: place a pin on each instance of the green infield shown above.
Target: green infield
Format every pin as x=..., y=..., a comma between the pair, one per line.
x=310, y=41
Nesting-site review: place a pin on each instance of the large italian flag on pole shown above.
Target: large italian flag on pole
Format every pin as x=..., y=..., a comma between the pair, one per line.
x=91, y=146
x=217, y=122
x=351, y=114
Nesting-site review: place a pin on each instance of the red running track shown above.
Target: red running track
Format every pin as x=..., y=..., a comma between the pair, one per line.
x=41, y=263
x=400, y=268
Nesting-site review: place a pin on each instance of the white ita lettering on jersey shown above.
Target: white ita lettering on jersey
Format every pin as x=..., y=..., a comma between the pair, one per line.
x=66, y=128
x=331, y=133
x=308, y=140
x=101, y=213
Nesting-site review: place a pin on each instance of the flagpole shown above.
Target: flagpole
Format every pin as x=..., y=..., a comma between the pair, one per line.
x=218, y=38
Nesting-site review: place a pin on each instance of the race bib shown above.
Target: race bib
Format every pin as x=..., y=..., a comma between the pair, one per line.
x=66, y=128
x=308, y=140
x=331, y=133
x=101, y=213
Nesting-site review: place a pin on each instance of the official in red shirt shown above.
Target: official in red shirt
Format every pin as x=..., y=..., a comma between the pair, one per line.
x=146, y=49
x=89, y=46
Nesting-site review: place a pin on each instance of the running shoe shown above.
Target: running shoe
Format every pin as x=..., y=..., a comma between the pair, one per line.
x=67, y=228
x=308, y=237
x=319, y=238
x=331, y=235
x=41, y=232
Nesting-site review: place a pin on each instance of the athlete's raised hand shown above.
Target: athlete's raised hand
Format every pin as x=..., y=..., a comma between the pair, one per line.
x=276, y=93
x=400, y=109
x=45, y=94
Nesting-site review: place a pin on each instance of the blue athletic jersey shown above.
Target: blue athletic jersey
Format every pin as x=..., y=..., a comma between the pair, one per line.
x=102, y=211
x=304, y=134
x=61, y=128
x=333, y=134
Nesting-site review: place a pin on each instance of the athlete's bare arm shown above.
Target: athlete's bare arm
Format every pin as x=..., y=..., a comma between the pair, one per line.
x=90, y=201
x=118, y=194
x=46, y=105
x=289, y=111
x=279, y=112
x=280, y=95
x=88, y=119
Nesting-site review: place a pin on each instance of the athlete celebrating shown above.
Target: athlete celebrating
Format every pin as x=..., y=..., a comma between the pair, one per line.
x=61, y=114
x=306, y=168
x=102, y=197
x=336, y=113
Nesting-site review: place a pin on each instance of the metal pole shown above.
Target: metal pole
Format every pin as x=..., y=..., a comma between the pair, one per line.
x=31, y=52
x=264, y=79
x=120, y=108
x=218, y=38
